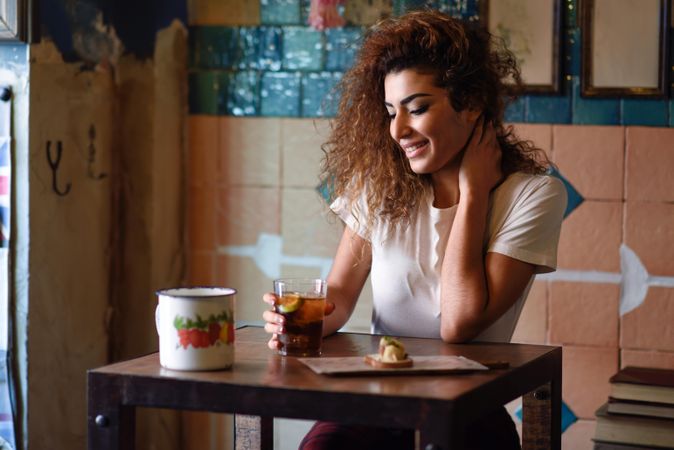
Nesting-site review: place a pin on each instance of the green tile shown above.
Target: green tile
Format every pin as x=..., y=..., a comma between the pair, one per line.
x=212, y=47
x=280, y=12
x=303, y=49
x=203, y=92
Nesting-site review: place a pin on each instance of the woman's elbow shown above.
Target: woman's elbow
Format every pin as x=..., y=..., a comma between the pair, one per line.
x=453, y=334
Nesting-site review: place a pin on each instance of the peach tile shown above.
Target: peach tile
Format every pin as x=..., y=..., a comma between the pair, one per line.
x=650, y=158
x=201, y=218
x=245, y=212
x=579, y=436
x=591, y=158
x=250, y=151
x=202, y=150
x=243, y=274
x=586, y=371
x=301, y=141
x=647, y=358
x=649, y=327
x=223, y=12
x=539, y=134
x=584, y=314
x=649, y=232
x=367, y=13
x=308, y=226
x=200, y=268
x=591, y=237
x=532, y=325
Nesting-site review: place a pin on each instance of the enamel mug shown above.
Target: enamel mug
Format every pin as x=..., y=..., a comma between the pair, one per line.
x=196, y=328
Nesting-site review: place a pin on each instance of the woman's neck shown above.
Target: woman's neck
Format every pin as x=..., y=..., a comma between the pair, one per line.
x=445, y=184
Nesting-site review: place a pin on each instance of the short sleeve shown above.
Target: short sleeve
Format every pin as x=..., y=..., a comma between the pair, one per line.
x=526, y=222
x=355, y=218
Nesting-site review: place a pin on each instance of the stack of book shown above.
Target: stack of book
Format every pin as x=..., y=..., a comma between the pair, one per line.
x=639, y=413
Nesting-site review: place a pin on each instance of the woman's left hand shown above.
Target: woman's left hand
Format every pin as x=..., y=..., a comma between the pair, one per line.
x=480, y=168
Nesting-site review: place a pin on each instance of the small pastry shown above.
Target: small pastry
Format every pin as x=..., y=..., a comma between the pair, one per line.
x=391, y=355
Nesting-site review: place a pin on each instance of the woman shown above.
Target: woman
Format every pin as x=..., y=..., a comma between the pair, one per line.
x=448, y=211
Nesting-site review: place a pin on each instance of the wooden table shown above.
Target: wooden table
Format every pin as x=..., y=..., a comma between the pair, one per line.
x=263, y=385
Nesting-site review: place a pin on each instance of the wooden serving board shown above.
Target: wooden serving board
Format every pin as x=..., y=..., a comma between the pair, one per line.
x=422, y=365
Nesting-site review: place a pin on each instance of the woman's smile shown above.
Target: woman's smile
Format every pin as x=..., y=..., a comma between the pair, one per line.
x=416, y=149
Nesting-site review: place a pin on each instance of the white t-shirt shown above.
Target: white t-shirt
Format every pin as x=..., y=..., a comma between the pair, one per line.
x=524, y=221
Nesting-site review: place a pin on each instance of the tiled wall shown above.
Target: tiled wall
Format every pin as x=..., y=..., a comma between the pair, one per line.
x=622, y=174
x=261, y=59
x=253, y=194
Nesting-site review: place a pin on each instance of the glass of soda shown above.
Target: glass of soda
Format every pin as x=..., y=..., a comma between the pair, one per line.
x=302, y=302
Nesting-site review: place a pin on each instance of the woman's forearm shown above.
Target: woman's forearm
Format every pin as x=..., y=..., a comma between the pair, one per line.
x=464, y=291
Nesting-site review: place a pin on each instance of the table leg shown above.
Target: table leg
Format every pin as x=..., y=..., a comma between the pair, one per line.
x=253, y=432
x=541, y=418
x=440, y=435
x=111, y=425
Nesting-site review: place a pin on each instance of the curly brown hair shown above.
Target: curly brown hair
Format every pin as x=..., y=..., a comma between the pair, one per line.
x=473, y=67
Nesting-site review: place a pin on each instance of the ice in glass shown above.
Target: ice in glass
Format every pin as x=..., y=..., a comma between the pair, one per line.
x=302, y=303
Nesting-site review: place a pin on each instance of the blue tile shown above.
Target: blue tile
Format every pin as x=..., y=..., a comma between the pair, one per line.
x=280, y=12
x=270, y=45
x=280, y=94
x=548, y=109
x=644, y=112
x=573, y=55
x=305, y=9
x=319, y=98
x=572, y=13
x=568, y=417
x=341, y=47
x=302, y=49
x=243, y=94
x=326, y=191
x=515, y=111
x=402, y=6
x=248, y=48
x=573, y=197
x=594, y=110
x=671, y=112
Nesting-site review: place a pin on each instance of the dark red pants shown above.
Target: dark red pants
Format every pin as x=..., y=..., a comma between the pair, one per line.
x=495, y=431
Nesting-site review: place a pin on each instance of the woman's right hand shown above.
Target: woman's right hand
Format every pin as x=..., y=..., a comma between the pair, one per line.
x=273, y=321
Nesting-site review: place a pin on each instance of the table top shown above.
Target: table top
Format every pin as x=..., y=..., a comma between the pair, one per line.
x=256, y=366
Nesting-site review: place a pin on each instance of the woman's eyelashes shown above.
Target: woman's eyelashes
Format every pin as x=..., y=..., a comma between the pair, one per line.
x=415, y=112
x=420, y=110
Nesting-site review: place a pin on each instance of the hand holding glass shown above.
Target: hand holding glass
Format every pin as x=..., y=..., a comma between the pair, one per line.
x=301, y=301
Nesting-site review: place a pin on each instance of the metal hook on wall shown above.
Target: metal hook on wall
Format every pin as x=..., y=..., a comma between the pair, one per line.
x=54, y=163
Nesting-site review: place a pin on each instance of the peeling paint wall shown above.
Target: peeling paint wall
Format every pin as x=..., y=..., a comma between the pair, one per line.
x=106, y=225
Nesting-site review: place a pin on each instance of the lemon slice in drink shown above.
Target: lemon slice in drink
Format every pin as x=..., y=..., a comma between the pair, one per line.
x=289, y=303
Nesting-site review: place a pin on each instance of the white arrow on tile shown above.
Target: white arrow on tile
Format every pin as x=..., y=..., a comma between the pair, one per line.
x=268, y=256
x=634, y=280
